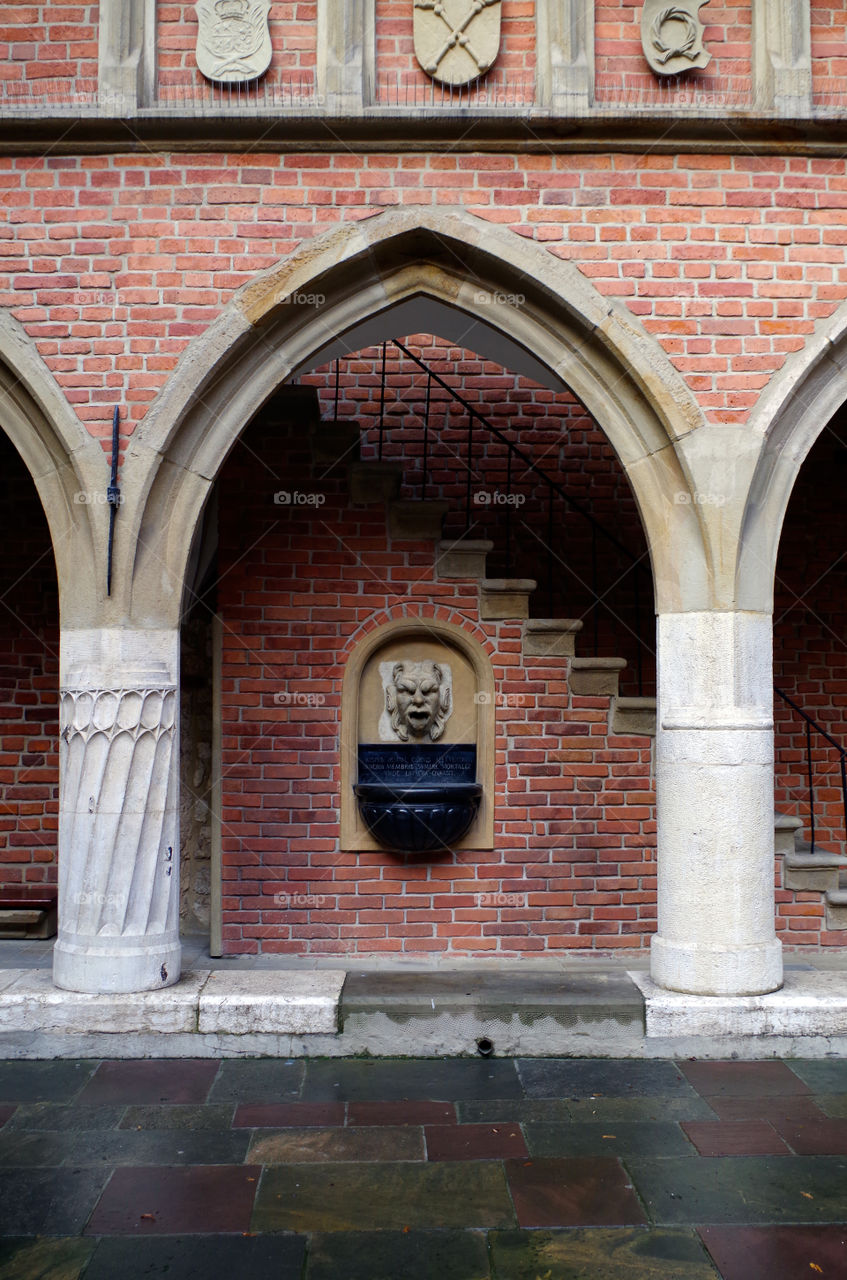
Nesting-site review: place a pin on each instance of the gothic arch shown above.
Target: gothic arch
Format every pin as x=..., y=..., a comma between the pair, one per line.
x=360, y=272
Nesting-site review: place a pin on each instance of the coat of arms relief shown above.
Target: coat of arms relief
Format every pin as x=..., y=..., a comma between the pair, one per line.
x=457, y=41
x=233, y=39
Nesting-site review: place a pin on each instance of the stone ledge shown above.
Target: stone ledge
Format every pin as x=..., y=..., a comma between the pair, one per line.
x=811, y=1003
x=239, y=1003
x=32, y=1003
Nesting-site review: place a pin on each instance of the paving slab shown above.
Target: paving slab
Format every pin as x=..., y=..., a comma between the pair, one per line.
x=829, y=1075
x=58, y=1081
x=743, y=1079
x=734, y=1138
x=259, y=1080
x=122, y=1147
x=744, y=1189
x=58, y=1259
x=600, y=1254
x=474, y=1141
x=198, y=1258
x=307, y=1146
x=388, y=1197
x=386, y=1080
x=814, y=1137
x=581, y=1078
x=167, y=1201
x=140, y=1081
x=777, y=1253
x=295, y=1115
x=626, y=1138
x=186, y=1118
x=287, y=1002
x=580, y=1192
x=399, y=1255
x=403, y=1112
x=64, y=1117
x=48, y=1202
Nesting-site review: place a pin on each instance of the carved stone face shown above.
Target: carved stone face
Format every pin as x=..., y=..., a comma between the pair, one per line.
x=417, y=699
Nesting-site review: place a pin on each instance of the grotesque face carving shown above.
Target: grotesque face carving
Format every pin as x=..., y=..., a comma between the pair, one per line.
x=417, y=699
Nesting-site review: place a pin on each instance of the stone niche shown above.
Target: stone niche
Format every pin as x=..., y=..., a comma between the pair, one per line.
x=417, y=715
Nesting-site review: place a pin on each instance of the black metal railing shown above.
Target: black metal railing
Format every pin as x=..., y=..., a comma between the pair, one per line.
x=630, y=574
x=811, y=728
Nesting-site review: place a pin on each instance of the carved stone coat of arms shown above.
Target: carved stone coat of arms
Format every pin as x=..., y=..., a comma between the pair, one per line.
x=457, y=41
x=672, y=36
x=233, y=39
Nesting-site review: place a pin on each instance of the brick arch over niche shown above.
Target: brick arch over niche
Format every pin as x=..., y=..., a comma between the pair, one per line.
x=275, y=326
x=423, y=635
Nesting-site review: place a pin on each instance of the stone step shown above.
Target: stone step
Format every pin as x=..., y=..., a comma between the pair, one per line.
x=550, y=637
x=372, y=482
x=595, y=677
x=28, y=916
x=635, y=716
x=413, y=520
x=786, y=832
x=462, y=559
x=813, y=872
x=501, y=598
x=334, y=443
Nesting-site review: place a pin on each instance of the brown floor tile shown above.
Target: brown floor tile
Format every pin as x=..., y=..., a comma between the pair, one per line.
x=474, y=1141
x=735, y=1138
x=777, y=1253
x=401, y=1113
x=770, y=1109
x=146, y=1081
x=6, y=1113
x=572, y=1193
x=743, y=1079
x=170, y=1201
x=815, y=1137
x=284, y=1115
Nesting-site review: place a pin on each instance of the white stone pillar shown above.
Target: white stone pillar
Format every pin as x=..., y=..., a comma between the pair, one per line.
x=714, y=781
x=346, y=38
x=118, y=812
x=565, y=55
x=782, y=57
x=127, y=55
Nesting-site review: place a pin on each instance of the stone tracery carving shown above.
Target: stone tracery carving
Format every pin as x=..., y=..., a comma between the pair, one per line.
x=457, y=41
x=672, y=36
x=233, y=39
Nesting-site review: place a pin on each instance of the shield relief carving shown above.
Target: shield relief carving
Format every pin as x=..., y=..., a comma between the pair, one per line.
x=233, y=39
x=457, y=41
x=672, y=36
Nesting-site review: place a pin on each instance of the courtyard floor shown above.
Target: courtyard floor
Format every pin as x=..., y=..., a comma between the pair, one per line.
x=383, y=1169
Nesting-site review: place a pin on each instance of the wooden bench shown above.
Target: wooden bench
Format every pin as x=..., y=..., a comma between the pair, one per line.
x=29, y=915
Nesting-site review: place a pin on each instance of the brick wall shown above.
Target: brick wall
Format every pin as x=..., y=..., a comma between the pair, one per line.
x=400, y=77
x=293, y=29
x=622, y=72
x=48, y=52
x=29, y=682
x=829, y=52
x=114, y=263
x=573, y=865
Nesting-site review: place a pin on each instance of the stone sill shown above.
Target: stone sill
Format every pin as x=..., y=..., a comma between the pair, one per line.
x=811, y=1003
x=74, y=129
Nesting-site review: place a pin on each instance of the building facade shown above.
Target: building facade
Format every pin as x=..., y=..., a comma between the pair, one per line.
x=500, y=349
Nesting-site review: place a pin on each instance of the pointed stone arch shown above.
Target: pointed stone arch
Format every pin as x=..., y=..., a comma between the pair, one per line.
x=360, y=272
x=67, y=466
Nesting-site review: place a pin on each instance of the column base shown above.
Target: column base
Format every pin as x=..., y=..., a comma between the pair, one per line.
x=715, y=969
x=106, y=966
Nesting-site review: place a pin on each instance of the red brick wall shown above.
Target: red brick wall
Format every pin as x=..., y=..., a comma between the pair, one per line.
x=293, y=29
x=48, y=52
x=114, y=263
x=622, y=71
x=829, y=52
x=574, y=862
x=29, y=681
x=400, y=77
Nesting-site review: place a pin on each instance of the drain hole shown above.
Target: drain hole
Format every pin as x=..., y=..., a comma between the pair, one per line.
x=485, y=1047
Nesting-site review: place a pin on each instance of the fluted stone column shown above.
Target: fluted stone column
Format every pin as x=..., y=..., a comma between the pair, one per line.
x=565, y=55
x=714, y=780
x=782, y=57
x=118, y=812
x=127, y=55
x=346, y=38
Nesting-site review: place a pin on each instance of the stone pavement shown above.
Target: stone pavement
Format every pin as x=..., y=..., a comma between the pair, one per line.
x=395, y=1169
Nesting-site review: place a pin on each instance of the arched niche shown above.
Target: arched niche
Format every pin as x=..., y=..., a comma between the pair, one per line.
x=472, y=718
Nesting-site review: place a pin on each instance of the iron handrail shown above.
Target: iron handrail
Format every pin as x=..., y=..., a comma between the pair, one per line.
x=812, y=724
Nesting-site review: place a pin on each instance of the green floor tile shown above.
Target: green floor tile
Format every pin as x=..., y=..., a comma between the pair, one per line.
x=179, y=1116
x=583, y=1078
x=56, y=1202
x=742, y=1189
x=384, y=1079
x=599, y=1254
x=44, y=1259
x=822, y=1075
x=399, y=1255
x=123, y=1147
x=58, y=1081
x=388, y=1197
x=660, y=1108
x=619, y=1139
x=832, y=1104
x=64, y=1117
x=258, y=1080
x=305, y=1146
x=198, y=1258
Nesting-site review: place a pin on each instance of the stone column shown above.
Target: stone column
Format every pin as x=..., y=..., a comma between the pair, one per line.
x=714, y=780
x=118, y=812
x=346, y=39
x=565, y=55
x=127, y=55
x=782, y=57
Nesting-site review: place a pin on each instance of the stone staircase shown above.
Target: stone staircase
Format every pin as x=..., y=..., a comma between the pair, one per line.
x=337, y=443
